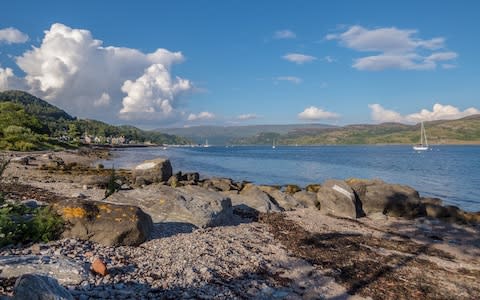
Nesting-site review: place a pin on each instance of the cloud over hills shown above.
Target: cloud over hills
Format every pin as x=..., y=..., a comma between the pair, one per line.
x=73, y=70
x=438, y=112
x=313, y=113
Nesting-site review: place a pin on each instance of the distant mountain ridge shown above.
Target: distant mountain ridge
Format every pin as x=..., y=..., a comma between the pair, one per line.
x=460, y=131
x=225, y=135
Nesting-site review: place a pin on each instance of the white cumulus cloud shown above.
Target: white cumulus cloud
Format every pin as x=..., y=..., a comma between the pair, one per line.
x=72, y=69
x=299, y=58
x=382, y=115
x=104, y=100
x=204, y=115
x=292, y=79
x=438, y=112
x=397, y=48
x=153, y=95
x=8, y=80
x=313, y=113
x=284, y=34
x=12, y=35
x=246, y=117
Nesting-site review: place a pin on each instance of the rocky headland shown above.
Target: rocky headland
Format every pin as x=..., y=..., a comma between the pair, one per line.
x=152, y=233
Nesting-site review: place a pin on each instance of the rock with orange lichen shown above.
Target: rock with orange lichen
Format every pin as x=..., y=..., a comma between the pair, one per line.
x=105, y=223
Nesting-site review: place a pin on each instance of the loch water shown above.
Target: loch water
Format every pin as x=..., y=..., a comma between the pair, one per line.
x=451, y=173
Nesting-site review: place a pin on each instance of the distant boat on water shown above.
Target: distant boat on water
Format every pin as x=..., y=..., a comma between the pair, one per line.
x=273, y=145
x=423, y=146
x=206, y=145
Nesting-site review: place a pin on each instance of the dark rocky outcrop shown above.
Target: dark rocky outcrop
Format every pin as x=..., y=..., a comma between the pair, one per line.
x=105, y=223
x=338, y=199
x=450, y=213
x=219, y=184
x=151, y=171
x=39, y=287
x=390, y=199
x=292, y=189
x=314, y=188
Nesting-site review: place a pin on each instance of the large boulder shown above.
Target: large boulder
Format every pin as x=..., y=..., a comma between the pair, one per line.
x=338, y=199
x=390, y=199
x=105, y=223
x=62, y=268
x=284, y=200
x=39, y=287
x=307, y=199
x=219, y=184
x=189, y=204
x=150, y=171
x=253, y=197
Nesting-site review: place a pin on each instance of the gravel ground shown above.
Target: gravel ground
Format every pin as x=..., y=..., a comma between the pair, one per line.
x=234, y=262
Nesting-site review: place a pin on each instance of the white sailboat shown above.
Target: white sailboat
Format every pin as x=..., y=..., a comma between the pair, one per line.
x=423, y=146
x=206, y=145
x=273, y=145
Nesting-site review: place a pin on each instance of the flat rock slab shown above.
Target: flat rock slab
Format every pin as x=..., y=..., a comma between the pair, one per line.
x=190, y=204
x=33, y=286
x=62, y=268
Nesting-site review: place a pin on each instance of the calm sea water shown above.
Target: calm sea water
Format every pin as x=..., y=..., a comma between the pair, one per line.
x=451, y=173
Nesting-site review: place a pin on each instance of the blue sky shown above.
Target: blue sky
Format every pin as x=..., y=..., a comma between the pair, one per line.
x=245, y=62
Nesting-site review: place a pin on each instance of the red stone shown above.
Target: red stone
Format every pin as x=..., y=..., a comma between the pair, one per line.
x=99, y=267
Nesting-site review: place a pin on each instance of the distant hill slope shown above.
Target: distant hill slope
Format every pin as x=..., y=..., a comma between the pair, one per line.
x=460, y=131
x=35, y=106
x=30, y=123
x=224, y=135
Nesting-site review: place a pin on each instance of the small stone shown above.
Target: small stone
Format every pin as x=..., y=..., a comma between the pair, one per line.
x=99, y=267
x=35, y=248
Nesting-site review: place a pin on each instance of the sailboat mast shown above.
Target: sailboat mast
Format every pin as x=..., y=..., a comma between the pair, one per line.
x=424, y=135
x=422, y=132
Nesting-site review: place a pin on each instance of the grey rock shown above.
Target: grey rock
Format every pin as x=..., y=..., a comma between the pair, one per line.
x=284, y=200
x=391, y=199
x=219, y=184
x=307, y=199
x=105, y=223
x=32, y=203
x=23, y=160
x=338, y=199
x=100, y=181
x=62, y=268
x=151, y=171
x=253, y=197
x=39, y=287
x=188, y=204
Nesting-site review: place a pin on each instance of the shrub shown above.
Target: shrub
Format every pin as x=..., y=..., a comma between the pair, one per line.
x=112, y=185
x=22, y=224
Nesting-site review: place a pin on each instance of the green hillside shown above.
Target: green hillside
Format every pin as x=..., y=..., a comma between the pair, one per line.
x=30, y=123
x=224, y=135
x=461, y=131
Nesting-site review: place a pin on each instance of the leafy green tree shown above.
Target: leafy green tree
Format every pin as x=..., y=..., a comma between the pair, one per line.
x=73, y=132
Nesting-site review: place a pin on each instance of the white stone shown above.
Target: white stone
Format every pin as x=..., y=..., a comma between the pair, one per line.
x=145, y=166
